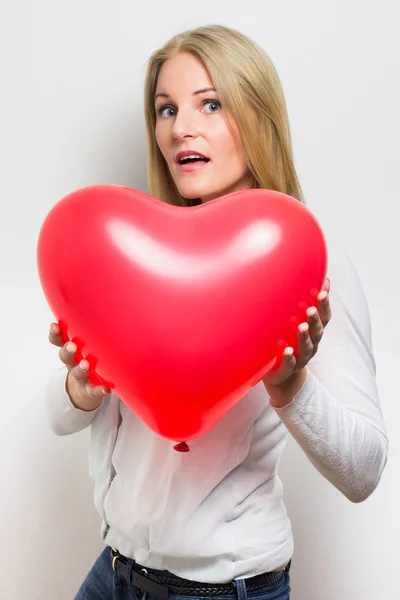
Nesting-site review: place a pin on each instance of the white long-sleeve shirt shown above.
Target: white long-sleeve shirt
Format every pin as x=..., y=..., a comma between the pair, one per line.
x=216, y=513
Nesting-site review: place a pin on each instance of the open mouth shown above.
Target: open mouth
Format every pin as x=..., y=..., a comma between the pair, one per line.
x=186, y=160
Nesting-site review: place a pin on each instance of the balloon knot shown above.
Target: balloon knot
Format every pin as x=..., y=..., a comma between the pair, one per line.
x=182, y=447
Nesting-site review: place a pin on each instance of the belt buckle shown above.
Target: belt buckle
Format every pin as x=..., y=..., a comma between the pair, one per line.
x=115, y=556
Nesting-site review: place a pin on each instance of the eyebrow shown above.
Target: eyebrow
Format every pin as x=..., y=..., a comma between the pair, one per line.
x=196, y=93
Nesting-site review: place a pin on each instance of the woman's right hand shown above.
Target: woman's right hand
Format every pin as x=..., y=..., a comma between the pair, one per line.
x=82, y=393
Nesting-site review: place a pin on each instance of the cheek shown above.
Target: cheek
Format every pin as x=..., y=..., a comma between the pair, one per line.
x=234, y=153
x=158, y=136
x=161, y=138
x=230, y=148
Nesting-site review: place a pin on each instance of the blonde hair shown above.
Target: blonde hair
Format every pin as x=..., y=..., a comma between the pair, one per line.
x=244, y=77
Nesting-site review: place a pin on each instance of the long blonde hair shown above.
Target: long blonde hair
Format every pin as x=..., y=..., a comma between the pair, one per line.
x=245, y=78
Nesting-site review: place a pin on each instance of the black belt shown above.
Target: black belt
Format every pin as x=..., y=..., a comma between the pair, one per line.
x=162, y=585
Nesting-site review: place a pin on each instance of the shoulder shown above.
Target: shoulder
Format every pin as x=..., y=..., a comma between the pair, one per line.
x=340, y=265
x=350, y=325
x=346, y=290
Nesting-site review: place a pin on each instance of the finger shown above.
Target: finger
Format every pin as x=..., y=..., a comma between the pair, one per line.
x=97, y=392
x=327, y=285
x=81, y=374
x=305, y=345
x=316, y=328
x=289, y=361
x=324, y=308
x=55, y=335
x=284, y=367
x=81, y=371
x=67, y=354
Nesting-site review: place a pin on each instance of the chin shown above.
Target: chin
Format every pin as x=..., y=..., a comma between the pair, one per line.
x=191, y=195
x=194, y=193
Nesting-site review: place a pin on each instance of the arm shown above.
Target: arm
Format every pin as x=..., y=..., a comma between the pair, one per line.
x=335, y=415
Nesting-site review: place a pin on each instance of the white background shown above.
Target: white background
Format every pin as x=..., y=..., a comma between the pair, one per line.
x=71, y=115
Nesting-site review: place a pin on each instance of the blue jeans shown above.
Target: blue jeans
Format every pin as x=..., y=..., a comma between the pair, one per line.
x=102, y=583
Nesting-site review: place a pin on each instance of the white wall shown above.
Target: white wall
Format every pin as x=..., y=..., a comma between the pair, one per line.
x=71, y=115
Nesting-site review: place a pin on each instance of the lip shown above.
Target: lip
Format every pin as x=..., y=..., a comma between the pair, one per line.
x=184, y=153
x=192, y=166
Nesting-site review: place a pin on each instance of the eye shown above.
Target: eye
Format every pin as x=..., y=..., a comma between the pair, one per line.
x=166, y=111
x=214, y=105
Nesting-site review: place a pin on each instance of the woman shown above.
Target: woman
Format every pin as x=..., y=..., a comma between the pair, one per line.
x=212, y=522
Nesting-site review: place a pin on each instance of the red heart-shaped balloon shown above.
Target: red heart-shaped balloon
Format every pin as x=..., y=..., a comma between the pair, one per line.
x=182, y=310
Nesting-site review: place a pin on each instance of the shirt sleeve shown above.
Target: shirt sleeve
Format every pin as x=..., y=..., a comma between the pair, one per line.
x=64, y=418
x=336, y=416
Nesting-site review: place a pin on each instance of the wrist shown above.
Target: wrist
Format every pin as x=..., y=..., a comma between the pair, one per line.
x=282, y=394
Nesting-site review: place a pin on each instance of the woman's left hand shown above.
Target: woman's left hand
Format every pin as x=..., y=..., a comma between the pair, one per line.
x=286, y=380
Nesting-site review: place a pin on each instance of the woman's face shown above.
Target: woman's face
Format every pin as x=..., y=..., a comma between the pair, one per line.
x=191, y=122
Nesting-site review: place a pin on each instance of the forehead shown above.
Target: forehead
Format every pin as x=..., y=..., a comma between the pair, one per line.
x=183, y=73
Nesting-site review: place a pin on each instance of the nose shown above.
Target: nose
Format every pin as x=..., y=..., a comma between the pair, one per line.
x=186, y=124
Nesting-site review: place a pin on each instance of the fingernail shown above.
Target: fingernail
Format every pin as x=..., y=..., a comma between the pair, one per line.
x=303, y=328
x=71, y=348
x=312, y=311
x=288, y=352
x=84, y=365
x=105, y=392
x=322, y=296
